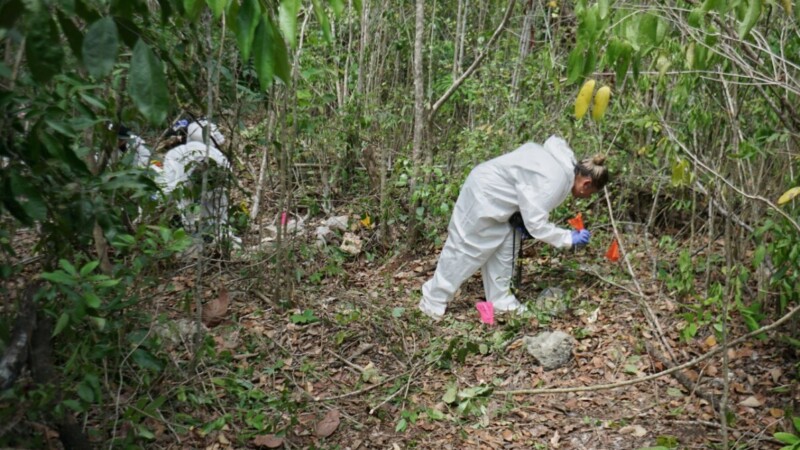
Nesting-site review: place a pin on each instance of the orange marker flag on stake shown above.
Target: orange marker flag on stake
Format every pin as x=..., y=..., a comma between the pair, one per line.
x=577, y=222
x=613, y=251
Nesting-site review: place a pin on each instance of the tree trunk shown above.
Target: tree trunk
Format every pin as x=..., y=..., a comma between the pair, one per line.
x=419, y=117
x=362, y=49
x=262, y=171
x=16, y=353
x=431, y=61
x=460, y=38
x=525, y=45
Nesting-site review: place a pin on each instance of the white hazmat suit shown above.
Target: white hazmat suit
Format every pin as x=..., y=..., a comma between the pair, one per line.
x=533, y=179
x=177, y=168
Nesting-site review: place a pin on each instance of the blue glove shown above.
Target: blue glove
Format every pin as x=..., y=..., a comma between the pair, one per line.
x=580, y=238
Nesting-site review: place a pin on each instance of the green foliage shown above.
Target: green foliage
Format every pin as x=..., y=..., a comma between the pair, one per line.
x=270, y=55
x=148, y=84
x=681, y=281
x=287, y=17
x=100, y=47
x=470, y=401
x=791, y=439
x=44, y=58
x=247, y=21
x=217, y=7
x=751, y=17
x=306, y=317
x=406, y=418
x=784, y=251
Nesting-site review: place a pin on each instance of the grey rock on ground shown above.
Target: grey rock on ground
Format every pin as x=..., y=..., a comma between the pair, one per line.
x=551, y=301
x=175, y=333
x=551, y=349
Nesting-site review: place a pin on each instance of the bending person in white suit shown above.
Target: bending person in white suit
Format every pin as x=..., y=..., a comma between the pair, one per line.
x=532, y=180
x=180, y=163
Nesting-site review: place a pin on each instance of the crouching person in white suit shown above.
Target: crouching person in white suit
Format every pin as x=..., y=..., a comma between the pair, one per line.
x=532, y=180
x=127, y=141
x=181, y=178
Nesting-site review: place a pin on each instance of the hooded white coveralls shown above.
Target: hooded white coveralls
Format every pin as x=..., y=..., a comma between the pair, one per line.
x=141, y=154
x=533, y=179
x=214, y=206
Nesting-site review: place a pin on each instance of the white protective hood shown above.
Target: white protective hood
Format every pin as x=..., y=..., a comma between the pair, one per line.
x=194, y=133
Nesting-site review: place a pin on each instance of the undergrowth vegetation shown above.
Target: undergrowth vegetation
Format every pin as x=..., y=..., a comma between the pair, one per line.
x=121, y=329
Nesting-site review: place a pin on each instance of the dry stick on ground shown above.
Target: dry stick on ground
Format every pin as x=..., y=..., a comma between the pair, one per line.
x=604, y=387
x=414, y=371
x=350, y=394
x=360, y=369
x=651, y=317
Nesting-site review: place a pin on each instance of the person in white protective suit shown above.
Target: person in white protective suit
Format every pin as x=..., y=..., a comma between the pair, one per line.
x=127, y=141
x=532, y=180
x=178, y=166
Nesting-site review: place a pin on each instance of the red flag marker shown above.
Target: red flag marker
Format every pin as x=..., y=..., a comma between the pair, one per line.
x=613, y=251
x=577, y=222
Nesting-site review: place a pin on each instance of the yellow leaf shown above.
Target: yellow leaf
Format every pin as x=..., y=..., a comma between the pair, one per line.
x=366, y=221
x=601, y=102
x=789, y=195
x=711, y=341
x=584, y=98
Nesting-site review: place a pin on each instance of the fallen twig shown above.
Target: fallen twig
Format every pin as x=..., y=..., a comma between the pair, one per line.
x=360, y=391
x=354, y=366
x=394, y=394
x=649, y=315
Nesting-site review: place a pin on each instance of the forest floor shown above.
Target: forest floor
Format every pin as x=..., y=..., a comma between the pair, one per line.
x=354, y=365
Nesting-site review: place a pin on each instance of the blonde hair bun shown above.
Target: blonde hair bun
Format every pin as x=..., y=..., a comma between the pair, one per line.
x=599, y=159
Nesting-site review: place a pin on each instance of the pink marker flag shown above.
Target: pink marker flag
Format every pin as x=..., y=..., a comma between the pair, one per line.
x=486, y=310
x=284, y=219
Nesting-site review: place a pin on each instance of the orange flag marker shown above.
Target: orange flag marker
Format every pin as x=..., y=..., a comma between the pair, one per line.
x=613, y=251
x=577, y=222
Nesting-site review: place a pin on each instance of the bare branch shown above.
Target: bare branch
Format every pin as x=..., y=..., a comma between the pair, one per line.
x=457, y=83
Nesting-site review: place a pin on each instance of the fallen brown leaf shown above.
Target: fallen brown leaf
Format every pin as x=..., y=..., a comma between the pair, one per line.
x=633, y=430
x=268, y=440
x=776, y=373
x=776, y=412
x=539, y=431
x=554, y=440
x=328, y=424
x=215, y=310
x=751, y=402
